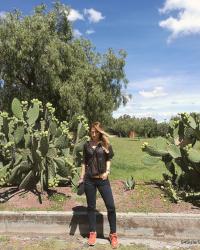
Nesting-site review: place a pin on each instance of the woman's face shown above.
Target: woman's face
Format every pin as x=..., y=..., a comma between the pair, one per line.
x=94, y=134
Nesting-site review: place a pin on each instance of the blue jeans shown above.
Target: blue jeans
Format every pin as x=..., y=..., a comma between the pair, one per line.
x=91, y=185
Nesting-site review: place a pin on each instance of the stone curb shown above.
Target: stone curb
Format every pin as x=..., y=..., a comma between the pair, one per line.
x=138, y=225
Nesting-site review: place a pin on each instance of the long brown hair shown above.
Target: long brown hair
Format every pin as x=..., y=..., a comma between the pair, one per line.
x=103, y=134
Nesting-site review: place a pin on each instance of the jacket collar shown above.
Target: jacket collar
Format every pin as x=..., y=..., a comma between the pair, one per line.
x=100, y=143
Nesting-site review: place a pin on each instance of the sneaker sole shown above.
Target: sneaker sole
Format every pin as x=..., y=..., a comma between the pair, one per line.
x=91, y=244
x=115, y=247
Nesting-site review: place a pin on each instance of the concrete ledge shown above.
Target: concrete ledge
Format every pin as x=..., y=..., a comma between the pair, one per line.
x=142, y=225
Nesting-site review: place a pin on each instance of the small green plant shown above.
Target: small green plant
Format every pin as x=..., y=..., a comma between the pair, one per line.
x=4, y=239
x=58, y=197
x=130, y=183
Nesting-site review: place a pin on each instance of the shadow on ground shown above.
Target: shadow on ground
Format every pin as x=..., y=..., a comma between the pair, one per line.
x=10, y=192
x=79, y=222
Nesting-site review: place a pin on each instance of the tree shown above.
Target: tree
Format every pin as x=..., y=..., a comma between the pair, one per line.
x=162, y=128
x=41, y=59
x=145, y=127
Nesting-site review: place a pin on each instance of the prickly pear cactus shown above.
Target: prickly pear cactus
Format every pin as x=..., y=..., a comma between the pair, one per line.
x=33, y=112
x=17, y=109
x=181, y=156
x=36, y=149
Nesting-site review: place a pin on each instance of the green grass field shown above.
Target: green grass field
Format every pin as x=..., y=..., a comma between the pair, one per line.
x=128, y=157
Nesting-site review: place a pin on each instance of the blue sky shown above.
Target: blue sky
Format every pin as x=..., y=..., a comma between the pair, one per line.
x=161, y=38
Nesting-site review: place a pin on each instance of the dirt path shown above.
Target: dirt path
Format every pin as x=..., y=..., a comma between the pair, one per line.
x=67, y=242
x=146, y=197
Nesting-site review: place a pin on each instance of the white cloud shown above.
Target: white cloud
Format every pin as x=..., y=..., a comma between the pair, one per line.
x=160, y=116
x=187, y=20
x=2, y=14
x=75, y=15
x=89, y=32
x=150, y=108
x=93, y=15
x=156, y=92
x=151, y=82
x=181, y=96
x=77, y=33
x=161, y=108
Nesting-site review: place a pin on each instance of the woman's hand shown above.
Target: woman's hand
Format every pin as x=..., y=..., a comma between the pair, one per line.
x=80, y=180
x=105, y=149
x=104, y=176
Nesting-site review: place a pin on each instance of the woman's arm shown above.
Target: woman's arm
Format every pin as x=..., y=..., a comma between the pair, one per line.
x=105, y=175
x=109, y=156
x=82, y=171
x=108, y=166
x=82, y=175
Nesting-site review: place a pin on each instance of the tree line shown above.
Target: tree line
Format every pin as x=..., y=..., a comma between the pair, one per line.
x=143, y=127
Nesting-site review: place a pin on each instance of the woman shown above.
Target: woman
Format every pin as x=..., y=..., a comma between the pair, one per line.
x=97, y=155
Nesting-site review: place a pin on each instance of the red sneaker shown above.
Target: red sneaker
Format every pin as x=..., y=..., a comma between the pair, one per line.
x=92, y=238
x=114, y=240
